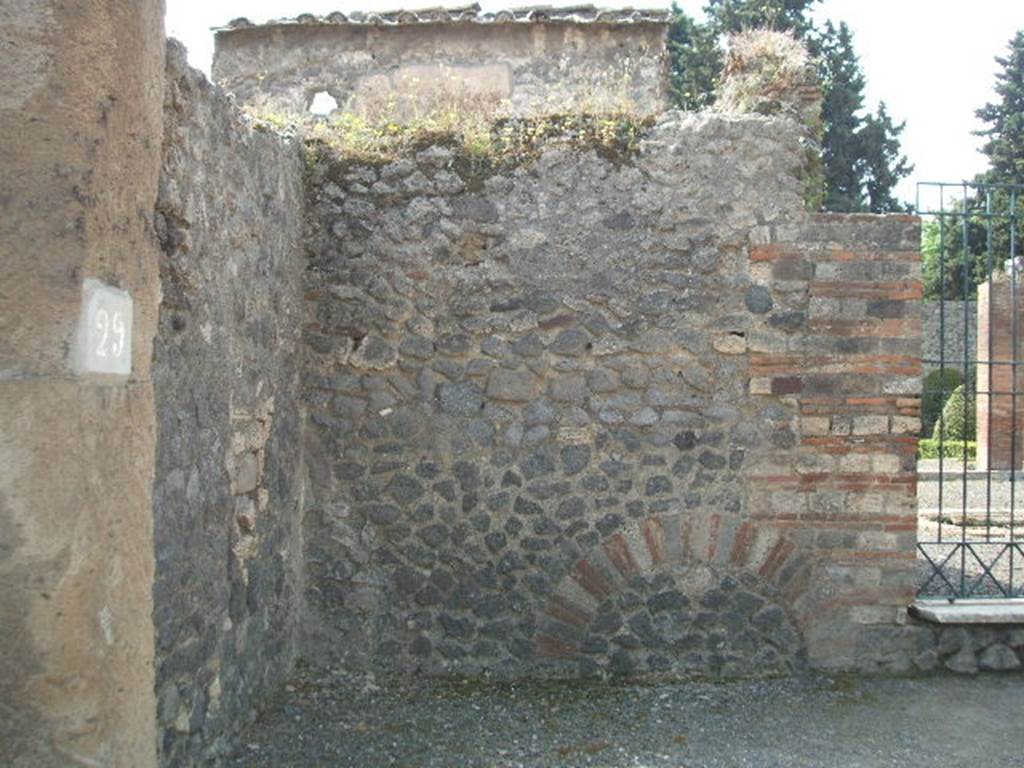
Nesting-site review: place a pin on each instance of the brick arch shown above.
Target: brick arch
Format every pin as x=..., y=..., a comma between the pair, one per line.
x=689, y=571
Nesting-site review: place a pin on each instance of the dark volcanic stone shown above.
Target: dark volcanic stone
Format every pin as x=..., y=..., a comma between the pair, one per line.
x=658, y=485
x=621, y=663
x=610, y=523
x=496, y=542
x=712, y=460
x=462, y=399
x=433, y=535
x=381, y=514
x=575, y=458
x=569, y=342
x=758, y=299
x=667, y=601
x=523, y=506
x=468, y=475
x=685, y=440
x=404, y=489
x=461, y=629
x=537, y=464
x=572, y=507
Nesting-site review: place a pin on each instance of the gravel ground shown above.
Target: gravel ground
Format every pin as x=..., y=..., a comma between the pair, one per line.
x=325, y=719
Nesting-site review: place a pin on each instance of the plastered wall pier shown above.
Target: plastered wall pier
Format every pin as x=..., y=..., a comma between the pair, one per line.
x=82, y=120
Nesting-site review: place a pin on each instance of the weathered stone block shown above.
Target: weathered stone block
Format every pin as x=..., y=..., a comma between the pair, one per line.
x=870, y=425
x=464, y=399
x=570, y=342
x=964, y=662
x=374, y=353
x=730, y=343
x=999, y=658
x=245, y=473
x=513, y=386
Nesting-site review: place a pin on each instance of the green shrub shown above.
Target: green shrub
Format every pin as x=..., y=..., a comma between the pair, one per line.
x=928, y=448
x=957, y=419
x=938, y=386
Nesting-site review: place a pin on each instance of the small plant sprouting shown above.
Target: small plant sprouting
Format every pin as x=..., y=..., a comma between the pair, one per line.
x=475, y=123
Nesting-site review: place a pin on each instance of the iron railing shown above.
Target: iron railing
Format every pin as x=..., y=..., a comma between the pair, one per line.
x=971, y=534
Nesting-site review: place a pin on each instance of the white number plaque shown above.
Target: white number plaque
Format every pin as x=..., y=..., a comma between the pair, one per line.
x=103, y=343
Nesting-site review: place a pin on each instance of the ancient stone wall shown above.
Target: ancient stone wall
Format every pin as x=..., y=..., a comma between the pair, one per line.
x=840, y=487
x=229, y=475
x=622, y=414
x=967, y=649
x=944, y=333
x=404, y=69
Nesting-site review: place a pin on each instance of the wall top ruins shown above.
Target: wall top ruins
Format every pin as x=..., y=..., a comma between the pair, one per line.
x=472, y=14
x=520, y=63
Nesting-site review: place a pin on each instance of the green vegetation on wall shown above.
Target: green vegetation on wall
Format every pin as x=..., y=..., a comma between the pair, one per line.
x=861, y=153
x=482, y=140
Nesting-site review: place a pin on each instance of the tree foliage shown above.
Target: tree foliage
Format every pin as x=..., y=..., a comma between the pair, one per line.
x=729, y=16
x=1004, y=131
x=955, y=259
x=977, y=236
x=958, y=418
x=938, y=386
x=842, y=84
x=1004, y=147
x=861, y=153
x=883, y=165
x=696, y=61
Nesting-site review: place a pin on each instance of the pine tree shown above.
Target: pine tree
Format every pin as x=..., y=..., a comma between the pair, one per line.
x=1005, y=132
x=883, y=165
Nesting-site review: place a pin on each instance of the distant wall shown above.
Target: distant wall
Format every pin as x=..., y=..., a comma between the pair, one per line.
x=634, y=414
x=229, y=474
x=944, y=333
x=536, y=67
x=999, y=421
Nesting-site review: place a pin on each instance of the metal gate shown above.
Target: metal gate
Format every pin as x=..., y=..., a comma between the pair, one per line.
x=971, y=526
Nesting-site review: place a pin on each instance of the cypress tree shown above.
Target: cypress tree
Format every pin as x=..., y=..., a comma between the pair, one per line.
x=728, y=16
x=696, y=61
x=860, y=154
x=1005, y=119
x=1004, y=148
x=883, y=165
x=842, y=84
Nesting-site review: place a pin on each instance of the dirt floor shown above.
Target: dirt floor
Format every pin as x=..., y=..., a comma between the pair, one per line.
x=326, y=719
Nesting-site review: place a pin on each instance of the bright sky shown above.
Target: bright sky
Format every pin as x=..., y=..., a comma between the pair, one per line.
x=931, y=61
